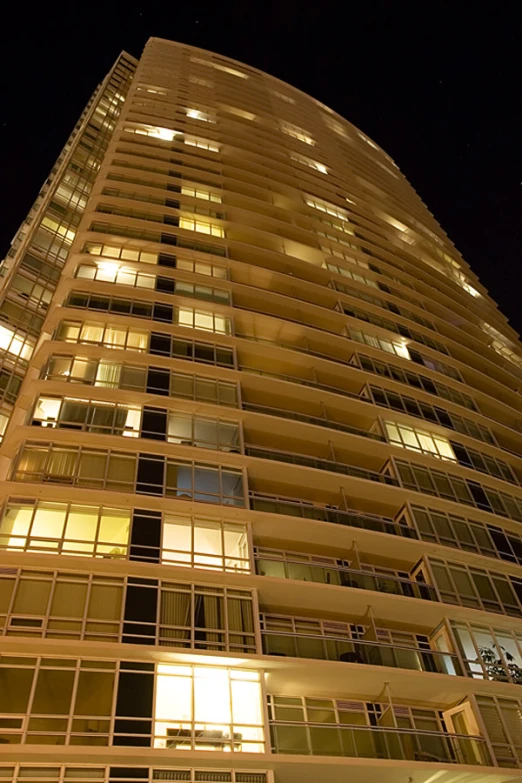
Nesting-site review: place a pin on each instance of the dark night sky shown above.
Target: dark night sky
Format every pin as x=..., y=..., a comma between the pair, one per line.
x=436, y=84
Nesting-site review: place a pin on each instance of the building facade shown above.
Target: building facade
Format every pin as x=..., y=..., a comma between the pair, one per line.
x=262, y=455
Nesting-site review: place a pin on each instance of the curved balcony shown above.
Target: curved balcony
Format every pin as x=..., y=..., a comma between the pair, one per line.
x=273, y=504
x=317, y=739
x=339, y=648
x=331, y=573
x=317, y=420
x=320, y=464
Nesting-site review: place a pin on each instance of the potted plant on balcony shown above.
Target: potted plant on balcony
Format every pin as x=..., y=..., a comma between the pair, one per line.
x=496, y=669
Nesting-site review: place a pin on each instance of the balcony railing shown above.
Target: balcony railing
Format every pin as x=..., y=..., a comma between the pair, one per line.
x=317, y=420
x=320, y=464
x=332, y=648
x=375, y=742
x=343, y=576
x=295, y=508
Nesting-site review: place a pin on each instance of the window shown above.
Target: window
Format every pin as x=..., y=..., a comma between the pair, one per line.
x=418, y=440
x=503, y=721
x=202, y=431
x=312, y=164
x=335, y=727
x=219, y=67
x=120, y=252
x=328, y=208
x=102, y=334
x=423, y=410
x=90, y=416
x=245, y=115
x=204, y=144
x=117, y=375
x=205, y=543
x=282, y=96
x=54, y=694
x=477, y=588
x=61, y=605
x=454, y=488
x=125, y=472
x=95, y=531
x=153, y=310
x=202, y=193
x=416, y=381
x=157, y=132
x=466, y=534
x=297, y=133
x=209, y=322
x=202, y=116
x=376, y=341
x=192, y=224
x=202, y=617
x=492, y=654
x=208, y=708
x=18, y=345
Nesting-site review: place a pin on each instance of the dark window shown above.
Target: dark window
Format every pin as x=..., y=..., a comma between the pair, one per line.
x=158, y=381
x=145, y=536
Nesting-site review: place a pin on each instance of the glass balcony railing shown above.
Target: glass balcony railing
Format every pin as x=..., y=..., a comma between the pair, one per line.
x=332, y=648
x=317, y=420
x=296, y=508
x=375, y=742
x=270, y=563
x=320, y=464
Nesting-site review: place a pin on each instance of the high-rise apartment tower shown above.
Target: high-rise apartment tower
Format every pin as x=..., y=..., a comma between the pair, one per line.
x=262, y=456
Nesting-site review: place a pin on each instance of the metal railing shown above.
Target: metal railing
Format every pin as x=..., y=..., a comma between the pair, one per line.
x=378, y=743
x=317, y=420
x=320, y=464
x=338, y=648
x=273, y=504
x=343, y=576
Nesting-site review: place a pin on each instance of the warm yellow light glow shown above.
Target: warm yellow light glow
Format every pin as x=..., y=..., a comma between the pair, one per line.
x=15, y=345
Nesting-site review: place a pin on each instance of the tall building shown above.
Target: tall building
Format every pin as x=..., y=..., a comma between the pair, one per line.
x=262, y=456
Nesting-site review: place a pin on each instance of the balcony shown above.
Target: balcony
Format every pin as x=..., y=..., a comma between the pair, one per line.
x=319, y=464
x=374, y=742
x=332, y=648
x=317, y=420
x=295, y=508
x=331, y=572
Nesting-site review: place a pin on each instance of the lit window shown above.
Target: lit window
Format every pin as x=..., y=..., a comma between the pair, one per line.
x=68, y=529
x=502, y=345
x=195, y=114
x=204, y=144
x=200, y=81
x=283, y=97
x=419, y=440
x=246, y=115
x=368, y=141
x=312, y=164
x=326, y=206
x=158, y=132
x=208, y=708
x=191, y=224
x=209, y=322
x=376, y=341
x=54, y=225
x=219, y=67
x=352, y=274
x=18, y=346
x=296, y=133
x=205, y=543
x=195, y=192
x=336, y=127
x=4, y=421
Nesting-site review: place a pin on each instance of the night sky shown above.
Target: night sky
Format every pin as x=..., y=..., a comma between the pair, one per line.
x=437, y=85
